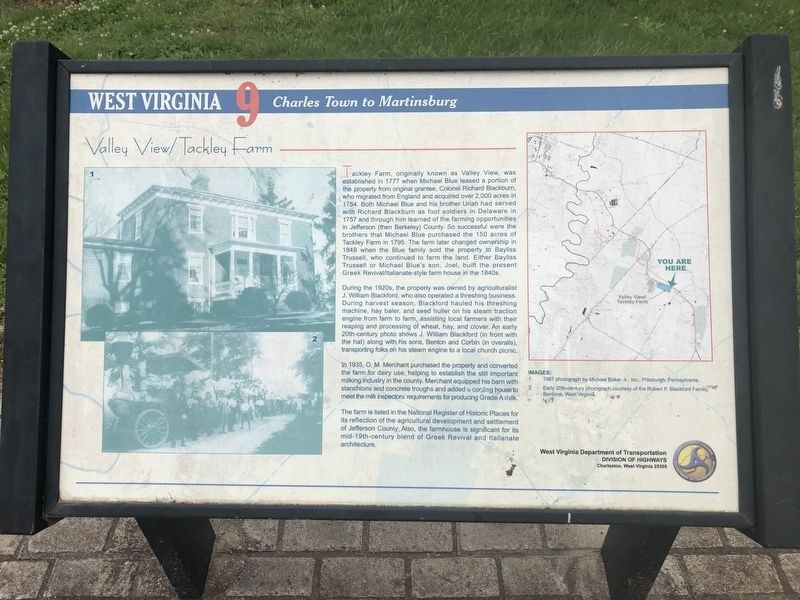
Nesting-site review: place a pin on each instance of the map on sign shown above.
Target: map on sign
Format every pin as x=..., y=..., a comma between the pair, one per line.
x=618, y=250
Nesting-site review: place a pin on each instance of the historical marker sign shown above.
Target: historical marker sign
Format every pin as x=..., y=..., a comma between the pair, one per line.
x=473, y=289
x=501, y=289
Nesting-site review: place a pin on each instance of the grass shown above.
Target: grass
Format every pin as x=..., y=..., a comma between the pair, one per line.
x=113, y=29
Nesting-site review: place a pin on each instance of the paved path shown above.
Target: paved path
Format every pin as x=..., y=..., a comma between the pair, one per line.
x=351, y=559
x=242, y=440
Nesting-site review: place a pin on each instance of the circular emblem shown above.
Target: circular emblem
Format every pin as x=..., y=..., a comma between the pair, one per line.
x=694, y=461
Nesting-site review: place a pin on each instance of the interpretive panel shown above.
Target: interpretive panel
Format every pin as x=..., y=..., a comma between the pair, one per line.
x=632, y=213
x=477, y=289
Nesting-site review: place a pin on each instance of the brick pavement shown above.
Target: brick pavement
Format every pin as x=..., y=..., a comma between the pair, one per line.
x=349, y=559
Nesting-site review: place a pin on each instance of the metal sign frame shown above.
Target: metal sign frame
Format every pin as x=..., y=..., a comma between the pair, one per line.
x=763, y=307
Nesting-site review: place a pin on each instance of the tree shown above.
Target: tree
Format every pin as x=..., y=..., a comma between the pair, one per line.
x=268, y=195
x=142, y=345
x=223, y=354
x=326, y=224
x=159, y=296
x=111, y=276
x=149, y=281
x=282, y=285
x=264, y=180
x=313, y=283
x=99, y=222
x=309, y=364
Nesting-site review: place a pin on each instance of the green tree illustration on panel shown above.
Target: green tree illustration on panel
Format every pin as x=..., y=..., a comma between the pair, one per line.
x=160, y=295
x=151, y=282
x=309, y=364
x=326, y=224
x=264, y=180
x=227, y=354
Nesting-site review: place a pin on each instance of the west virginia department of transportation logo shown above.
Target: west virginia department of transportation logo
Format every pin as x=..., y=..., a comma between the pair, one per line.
x=694, y=461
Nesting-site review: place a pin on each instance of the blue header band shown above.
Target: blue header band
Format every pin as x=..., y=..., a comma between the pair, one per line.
x=456, y=100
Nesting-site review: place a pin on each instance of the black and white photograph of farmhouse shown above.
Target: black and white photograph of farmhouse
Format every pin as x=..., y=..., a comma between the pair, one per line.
x=213, y=393
x=212, y=249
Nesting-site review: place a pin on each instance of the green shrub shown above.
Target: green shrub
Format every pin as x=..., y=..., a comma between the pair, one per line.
x=129, y=318
x=254, y=301
x=298, y=301
x=171, y=310
x=223, y=309
x=99, y=315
